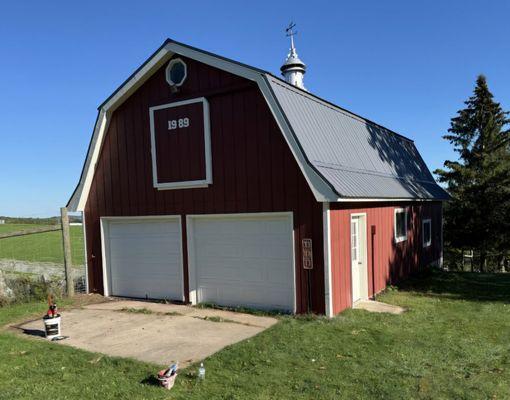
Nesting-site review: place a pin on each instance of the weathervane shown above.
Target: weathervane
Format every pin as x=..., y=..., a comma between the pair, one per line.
x=290, y=33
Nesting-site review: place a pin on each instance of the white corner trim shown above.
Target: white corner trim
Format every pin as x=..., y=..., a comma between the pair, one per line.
x=85, y=261
x=207, y=147
x=399, y=239
x=328, y=273
x=423, y=223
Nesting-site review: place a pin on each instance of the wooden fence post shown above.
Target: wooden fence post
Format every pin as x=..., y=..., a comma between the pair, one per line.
x=66, y=239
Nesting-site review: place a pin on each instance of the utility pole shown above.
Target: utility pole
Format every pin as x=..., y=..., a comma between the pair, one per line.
x=66, y=240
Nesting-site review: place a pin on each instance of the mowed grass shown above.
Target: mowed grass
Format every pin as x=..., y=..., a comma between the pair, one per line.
x=7, y=228
x=41, y=247
x=452, y=343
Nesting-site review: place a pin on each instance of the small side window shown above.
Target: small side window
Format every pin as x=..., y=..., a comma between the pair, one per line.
x=400, y=225
x=427, y=232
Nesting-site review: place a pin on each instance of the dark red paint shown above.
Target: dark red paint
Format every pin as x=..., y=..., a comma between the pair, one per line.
x=390, y=261
x=253, y=170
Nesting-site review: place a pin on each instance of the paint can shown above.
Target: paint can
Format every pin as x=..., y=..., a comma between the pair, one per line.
x=52, y=326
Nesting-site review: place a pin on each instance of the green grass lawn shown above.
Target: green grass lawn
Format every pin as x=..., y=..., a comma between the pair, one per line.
x=42, y=247
x=453, y=343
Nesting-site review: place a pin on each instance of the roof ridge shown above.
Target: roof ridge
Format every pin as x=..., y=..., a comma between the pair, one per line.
x=335, y=107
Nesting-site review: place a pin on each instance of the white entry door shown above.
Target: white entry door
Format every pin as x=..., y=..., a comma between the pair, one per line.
x=143, y=257
x=359, y=273
x=242, y=260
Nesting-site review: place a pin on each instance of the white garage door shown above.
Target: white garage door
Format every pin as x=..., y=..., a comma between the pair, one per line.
x=243, y=261
x=144, y=258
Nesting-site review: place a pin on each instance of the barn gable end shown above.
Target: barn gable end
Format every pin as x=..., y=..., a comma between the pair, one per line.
x=253, y=171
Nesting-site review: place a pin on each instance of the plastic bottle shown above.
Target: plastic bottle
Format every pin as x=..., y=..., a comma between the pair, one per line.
x=201, y=372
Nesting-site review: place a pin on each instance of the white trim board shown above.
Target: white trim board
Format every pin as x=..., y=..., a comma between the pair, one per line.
x=85, y=260
x=207, y=147
x=105, y=250
x=328, y=273
x=253, y=216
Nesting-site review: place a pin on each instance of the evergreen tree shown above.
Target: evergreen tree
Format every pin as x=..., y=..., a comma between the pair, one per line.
x=478, y=216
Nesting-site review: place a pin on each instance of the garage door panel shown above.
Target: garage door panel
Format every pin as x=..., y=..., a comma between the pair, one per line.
x=154, y=289
x=136, y=229
x=254, y=296
x=244, y=261
x=145, y=258
x=132, y=248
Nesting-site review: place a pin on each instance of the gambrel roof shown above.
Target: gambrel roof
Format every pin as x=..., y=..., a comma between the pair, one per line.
x=343, y=157
x=359, y=158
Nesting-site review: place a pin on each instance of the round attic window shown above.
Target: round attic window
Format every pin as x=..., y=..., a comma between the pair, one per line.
x=176, y=72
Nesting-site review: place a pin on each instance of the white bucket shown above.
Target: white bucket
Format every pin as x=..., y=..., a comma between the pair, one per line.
x=52, y=327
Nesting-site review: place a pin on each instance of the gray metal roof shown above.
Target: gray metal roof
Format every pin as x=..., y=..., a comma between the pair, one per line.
x=358, y=158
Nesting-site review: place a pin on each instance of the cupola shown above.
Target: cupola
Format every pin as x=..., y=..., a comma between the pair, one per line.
x=293, y=69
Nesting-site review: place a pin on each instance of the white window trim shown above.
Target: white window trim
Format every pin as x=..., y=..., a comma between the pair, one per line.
x=169, y=67
x=399, y=239
x=207, y=148
x=424, y=222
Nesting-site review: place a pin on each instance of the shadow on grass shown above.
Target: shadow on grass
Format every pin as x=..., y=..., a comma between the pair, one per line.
x=150, y=381
x=461, y=285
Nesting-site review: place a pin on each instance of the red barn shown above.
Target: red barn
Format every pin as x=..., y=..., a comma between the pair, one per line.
x=207, y=180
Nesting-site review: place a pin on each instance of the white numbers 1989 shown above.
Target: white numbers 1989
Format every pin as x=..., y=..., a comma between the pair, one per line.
x=178, y=123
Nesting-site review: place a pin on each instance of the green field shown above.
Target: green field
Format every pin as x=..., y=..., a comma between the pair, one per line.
x=40, y=247
x=7, y=228
x=452, y=343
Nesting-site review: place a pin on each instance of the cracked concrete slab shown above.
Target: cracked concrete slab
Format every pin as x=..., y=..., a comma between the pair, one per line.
x=157, y=333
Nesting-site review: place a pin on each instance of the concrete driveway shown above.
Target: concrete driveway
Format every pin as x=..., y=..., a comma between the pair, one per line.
x=152, y=332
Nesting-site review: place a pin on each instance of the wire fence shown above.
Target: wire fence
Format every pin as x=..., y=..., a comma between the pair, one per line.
x=34, y=252
x=469, y=260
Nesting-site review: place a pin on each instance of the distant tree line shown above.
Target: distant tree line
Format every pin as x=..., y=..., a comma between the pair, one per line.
x=477, y=219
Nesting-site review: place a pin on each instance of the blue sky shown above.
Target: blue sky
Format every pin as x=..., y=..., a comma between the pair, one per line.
x=404, y=64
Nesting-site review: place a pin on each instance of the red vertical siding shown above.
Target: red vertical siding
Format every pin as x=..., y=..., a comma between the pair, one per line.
x=253, y=170
x=391, y=261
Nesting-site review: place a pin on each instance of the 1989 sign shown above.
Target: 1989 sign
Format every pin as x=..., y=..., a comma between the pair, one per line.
x=178, y=123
